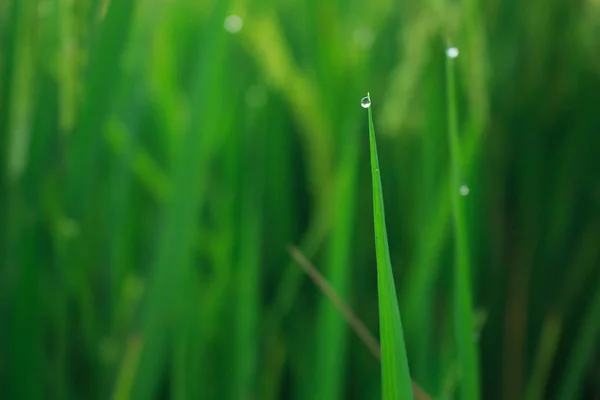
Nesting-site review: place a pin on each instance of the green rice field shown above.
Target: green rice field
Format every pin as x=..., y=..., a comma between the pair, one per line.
x=194, y=204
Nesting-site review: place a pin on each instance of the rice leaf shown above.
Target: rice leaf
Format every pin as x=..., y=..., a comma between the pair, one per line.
x=395, y=376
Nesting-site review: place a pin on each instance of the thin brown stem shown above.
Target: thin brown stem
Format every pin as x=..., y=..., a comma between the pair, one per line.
x=355, y=323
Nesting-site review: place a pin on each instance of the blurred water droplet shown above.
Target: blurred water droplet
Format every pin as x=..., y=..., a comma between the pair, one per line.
x=464, y=190
x=233, y=23
x=365, y=102
x=452, y=52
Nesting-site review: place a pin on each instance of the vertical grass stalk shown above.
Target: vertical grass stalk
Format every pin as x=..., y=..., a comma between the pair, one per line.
x=396, y=383
x=462, y=302
x=583, y=350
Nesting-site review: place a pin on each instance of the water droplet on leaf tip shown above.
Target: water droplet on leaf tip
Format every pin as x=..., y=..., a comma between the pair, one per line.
x=452, y=52
x=464, y=190
x=233, y=23
x=365, y=102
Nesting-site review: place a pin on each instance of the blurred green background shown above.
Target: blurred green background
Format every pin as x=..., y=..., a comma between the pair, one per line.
x=157, y=157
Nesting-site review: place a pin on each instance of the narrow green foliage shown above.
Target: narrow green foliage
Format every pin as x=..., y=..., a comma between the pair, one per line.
x=395, y=375
x=248, y=275
x=463, y=303
x=169, y=314
x=157, y=157
x=584, y=348
x=331, y=334
x=546, y=352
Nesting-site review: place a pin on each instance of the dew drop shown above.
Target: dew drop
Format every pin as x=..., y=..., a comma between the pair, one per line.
x=452, y=52
x=233, y=23
x=365, y=102
x=464, y=190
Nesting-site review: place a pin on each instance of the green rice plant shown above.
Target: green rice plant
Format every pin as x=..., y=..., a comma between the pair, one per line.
x=395, y=375
x=331, y=343
x=155, y=161
x=583, y=349
x=342, y=308
x=549, y=341
x=170, y=286
x=462, y=302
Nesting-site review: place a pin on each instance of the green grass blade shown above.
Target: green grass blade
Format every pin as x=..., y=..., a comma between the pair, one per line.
x=396, y=383
x=584, y=348
x=169, y=312
x=548, y=344
x=331, y=338
x=463, y=303
x=248, y=285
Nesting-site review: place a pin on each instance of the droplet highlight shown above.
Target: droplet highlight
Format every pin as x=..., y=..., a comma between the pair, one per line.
x=233, y=24
x=452, y=52
x=365, y=102
x=464, y=190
